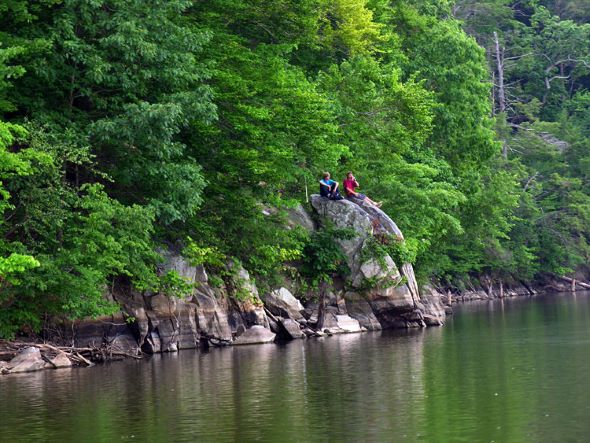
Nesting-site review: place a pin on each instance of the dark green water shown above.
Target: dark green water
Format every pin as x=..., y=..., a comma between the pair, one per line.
x=511, y=371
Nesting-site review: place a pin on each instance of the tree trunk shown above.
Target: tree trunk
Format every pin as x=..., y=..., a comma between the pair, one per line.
x=579, y=283
x=500, y=69
x=500, y=86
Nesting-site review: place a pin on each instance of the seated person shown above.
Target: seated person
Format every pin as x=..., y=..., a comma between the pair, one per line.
x=350, y=184
x=329, y=188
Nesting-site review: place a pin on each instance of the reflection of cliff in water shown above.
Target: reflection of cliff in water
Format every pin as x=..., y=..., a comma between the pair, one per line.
x=357, y=385
x=511, y=370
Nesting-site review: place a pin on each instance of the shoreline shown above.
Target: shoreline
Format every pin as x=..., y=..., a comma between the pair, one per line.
x=19, y=356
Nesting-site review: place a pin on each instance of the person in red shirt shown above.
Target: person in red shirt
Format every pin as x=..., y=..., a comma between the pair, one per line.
x=350, y=184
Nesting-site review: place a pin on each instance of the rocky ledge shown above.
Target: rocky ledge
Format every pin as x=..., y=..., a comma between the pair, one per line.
x=378, y=294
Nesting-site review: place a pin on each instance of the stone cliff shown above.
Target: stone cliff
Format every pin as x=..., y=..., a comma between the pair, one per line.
x=378, y=294
x=393, y=296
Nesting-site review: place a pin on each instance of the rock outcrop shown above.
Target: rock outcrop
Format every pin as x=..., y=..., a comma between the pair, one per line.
x=282, y=303
x=380, y=293
x=254, y=335
x=157, y=322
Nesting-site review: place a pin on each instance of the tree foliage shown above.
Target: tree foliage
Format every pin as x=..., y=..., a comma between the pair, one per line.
x=128, y=124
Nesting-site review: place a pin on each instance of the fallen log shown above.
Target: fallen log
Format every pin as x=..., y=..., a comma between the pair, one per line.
x=575, y=282
x=78, y=356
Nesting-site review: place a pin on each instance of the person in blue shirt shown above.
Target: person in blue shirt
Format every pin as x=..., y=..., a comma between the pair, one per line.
x=329, y=188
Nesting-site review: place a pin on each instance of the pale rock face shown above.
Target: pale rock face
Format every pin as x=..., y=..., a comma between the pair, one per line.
x=61, y=360
x=164, y=323
x=374, y=269
x=298, y=216
x=393, y=302
x=211, y=314
x=27, y=360
x=256, y=334
x=348, y=324
x=434, y=308
x=366, y=221
x=283, y=304
x=175, y=262
x=285, y=296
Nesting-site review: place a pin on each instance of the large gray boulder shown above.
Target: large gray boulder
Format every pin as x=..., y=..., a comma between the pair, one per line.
x=256, y=334
x=291, y=328
x=434, y=308
x=360, y=309
x=389, y=289
x=27, y=360
x=347, y=324
x=61, y=360
x=345, y=214
x=298, y=216
x=282, y=303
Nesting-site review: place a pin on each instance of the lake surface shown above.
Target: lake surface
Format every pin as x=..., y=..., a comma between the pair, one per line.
x=516, y=370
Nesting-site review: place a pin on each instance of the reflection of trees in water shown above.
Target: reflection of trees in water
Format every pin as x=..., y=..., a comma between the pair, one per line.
x=439, y=383
x=354, y=386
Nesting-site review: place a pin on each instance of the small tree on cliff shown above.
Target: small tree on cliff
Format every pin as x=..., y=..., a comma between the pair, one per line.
x=323, y=259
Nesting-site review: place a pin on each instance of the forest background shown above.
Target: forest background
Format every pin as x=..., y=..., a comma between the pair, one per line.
x=126, y=125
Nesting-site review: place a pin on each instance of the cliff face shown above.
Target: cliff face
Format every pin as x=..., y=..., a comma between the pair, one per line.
x=157, y=322
x=389, y=289
x=378, y=294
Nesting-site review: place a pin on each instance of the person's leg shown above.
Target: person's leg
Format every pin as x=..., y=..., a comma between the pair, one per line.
x=373, y=203
x=362, y=198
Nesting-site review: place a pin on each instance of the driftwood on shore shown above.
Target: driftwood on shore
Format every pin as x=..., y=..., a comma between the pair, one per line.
x=575, y=283
x=47, y=355
x=101, y=353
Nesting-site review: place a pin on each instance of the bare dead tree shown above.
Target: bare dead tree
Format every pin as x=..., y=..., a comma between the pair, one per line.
x=560, y=64
x=500, y=71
